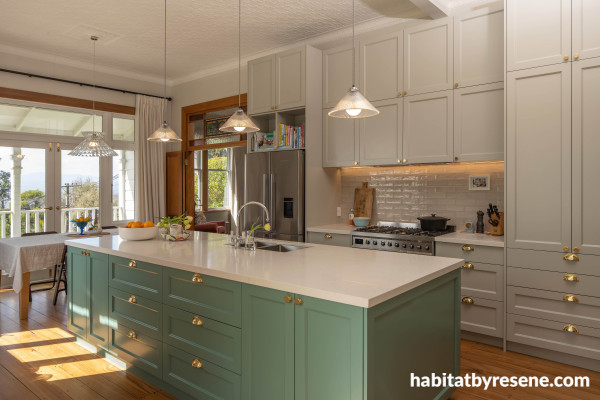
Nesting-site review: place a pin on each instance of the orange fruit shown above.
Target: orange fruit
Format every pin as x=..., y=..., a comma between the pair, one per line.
x=148, y=224
x=138, y=224
x=129, y=224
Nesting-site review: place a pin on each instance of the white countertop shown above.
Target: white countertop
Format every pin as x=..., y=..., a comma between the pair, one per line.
x=471, y=238
x=344, y=229
x=346, y=275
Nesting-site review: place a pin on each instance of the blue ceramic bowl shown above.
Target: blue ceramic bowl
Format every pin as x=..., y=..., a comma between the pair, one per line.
x=361, y=221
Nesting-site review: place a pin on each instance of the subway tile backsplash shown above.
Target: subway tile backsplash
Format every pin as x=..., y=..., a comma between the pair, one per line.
x=407, y=192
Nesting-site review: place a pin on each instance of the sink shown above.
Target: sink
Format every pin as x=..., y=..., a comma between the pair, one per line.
x=280, y=248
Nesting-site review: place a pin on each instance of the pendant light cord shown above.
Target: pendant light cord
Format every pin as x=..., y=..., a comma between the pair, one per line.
x=94, y=39
x=239, y=53
x=165, y=68
x=353, y=49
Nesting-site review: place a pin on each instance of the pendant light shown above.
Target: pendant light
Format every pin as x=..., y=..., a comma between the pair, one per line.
x=239, y=122
x=93, y=145
x=164, y=133
x=353, y=104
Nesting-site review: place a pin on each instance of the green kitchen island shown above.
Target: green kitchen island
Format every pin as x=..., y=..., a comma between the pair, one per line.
x=203, y=320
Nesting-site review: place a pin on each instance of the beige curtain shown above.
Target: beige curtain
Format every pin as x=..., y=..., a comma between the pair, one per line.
x=150, y=158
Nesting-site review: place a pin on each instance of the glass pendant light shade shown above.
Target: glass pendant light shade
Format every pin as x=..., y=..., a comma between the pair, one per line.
x=93, y=146
x=353, y=105
x=239, y=122
x=164, y=134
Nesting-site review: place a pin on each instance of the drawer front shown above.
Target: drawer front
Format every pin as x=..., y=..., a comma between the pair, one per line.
x=137, y=349
x=554, y=281
x=553, y=261
x=483, y=254
x=333, y=239
x=136, y=277
x=482, y=280
x=482, y=316
x=550, y=335
x=206, y=296
x=136, y=312
x=212, y=341
x=580, y=310
x=206, y=382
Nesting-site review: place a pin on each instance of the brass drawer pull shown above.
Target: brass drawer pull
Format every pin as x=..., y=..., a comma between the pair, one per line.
x=132, y=299
x=571, y=278
x=467, y=247
x=327, y=236
x=570, y=328
x=132, y=264
x=197, y=321
x=287, y=299
x=571, y=298
x=298, y=301
x=132, y=335
x=197, y=278
x=468, y=265
x=571, y=257
x=468, y=300
x=197, y=363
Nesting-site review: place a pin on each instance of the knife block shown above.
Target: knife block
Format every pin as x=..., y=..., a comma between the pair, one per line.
x=499, y=229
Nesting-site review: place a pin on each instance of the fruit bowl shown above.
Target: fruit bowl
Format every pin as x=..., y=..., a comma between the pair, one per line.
x=138, y=233
x=81, y=225
x=175, y=238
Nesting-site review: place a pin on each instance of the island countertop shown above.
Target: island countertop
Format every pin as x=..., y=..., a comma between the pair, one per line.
x=351, y=276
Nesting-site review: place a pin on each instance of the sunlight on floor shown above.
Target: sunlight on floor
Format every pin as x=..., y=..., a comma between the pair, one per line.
x=76, y=369
x=33, y=336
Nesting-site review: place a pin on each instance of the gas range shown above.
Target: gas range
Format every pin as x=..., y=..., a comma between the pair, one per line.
x=402, y=237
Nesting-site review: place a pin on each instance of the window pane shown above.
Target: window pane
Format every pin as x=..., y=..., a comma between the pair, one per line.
x=123, y=186
x=80, y=186
x=46, y=122
x=123, y=129
x=218, y=178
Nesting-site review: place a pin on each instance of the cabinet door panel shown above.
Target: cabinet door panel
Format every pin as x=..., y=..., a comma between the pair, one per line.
x=479, y=47
x=586, y=30
x=483, y=316
x=77, y=278
x=586, y=163
x=538, y=32
x=427, y=135
x=428, y=57
x=479, y=123
x=337, y=74
x=290, y=78
x=381, y=67
x=381, y=135
x=98, y=299
x=261, y=85
x=329, y=350
x=340, y=141
x=539, y=158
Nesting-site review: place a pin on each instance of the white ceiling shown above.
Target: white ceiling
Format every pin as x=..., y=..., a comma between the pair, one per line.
x=202, y=35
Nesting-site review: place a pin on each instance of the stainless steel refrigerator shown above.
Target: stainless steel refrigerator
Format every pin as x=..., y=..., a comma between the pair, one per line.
x=276, y=179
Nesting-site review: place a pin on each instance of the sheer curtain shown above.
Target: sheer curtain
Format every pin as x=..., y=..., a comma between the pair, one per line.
x=238, y=159
x=149, y=160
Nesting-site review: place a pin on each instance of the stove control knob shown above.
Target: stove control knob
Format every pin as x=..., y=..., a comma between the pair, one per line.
x=389, y=244
x=419, y=246
x=412, y=246
x=426, y=247
x=403, y=245
x=397, y=244
x=375, y=242
x=368, y=242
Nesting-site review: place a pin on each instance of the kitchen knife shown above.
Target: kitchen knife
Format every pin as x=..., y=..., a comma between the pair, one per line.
x=489, y=213
x=496, y=211
x=493, y=222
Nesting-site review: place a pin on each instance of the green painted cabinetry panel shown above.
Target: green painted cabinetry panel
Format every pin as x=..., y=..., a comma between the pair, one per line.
x=328, y=350
x=206, y=296
x=97, y=301
x=136, y=277
x=77, y=296
x=137, y=349
x=211, y=340
x=267, y=344
x=204, y=381
x=136, y=312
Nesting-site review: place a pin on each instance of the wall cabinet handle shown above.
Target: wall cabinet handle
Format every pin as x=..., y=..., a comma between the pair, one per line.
x=467, y=247
x=197, y=363
x=571, y=278
x=132, y=299
x=132, y=335
x=571, y=257
x=576, y=56
x=571, y=298
x=298, y=301
x=132, y=264
x=197, y=321
x=570, y=328
x=287, y=299
x=566, y=58
x=327, y=236
x=197, y=278
x=468, y=300
x=468, y=265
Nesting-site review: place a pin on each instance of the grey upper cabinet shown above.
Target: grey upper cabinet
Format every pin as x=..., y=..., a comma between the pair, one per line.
x=586, y=30
x=538, y=32
x=381, y=136
x=261, y=85
x=479, y=123
x=538, y=158
x=427, y=133
x=337, y=74
x=479, y=47
x=586, y=163
x=381, y=66
x=428, y=57
x=340, y=141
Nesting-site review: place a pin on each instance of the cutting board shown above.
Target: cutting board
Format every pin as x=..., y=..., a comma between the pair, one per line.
x=363, y=200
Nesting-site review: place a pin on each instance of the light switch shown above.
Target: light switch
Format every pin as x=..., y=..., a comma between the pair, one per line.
x=339, y=211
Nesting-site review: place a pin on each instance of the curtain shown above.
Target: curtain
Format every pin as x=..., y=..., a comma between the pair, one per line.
x=238, y=159
x=150, y=160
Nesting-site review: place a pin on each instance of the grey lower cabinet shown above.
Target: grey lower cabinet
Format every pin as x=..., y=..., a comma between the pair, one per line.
x=482, y=286
x=332, y=239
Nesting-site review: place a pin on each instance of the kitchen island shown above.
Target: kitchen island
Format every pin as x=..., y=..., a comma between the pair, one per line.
x=204, y=320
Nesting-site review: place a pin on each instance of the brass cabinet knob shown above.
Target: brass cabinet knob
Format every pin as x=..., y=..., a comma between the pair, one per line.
x=287, y=299
x=571, y=298
x=197, y=363
x=404, y=161
x=355, y=162
x=197, y=278
x=327, y=236
x=576, y=56
x=58, y=208
x=456, y=84
x=467, y=247
x=197, y=321
x=277, y=107
x=399, y=161
x=132, y=335
x=468, y=300
x=575, y=249
x=82, y=253
x=571, y=257
x=468, y=265
x=566, y=58
x=570, y=328
x=455, y=158
x=298, y=301
x=571, y=278
x=132, y=264
x=405, y=93
x=566, y=248
x=399, y=94
x=132, y=299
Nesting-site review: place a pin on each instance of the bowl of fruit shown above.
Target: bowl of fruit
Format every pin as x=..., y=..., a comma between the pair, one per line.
x=138, y=231
x=81, y=223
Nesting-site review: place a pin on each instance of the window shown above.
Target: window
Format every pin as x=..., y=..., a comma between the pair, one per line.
x=217, y=188
x=123, y=129
x=123, y=186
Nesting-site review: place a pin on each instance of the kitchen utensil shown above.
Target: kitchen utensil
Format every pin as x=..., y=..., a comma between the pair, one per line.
x=497, y=229
x=361, y=221
x=138, y=233
x=363, y=200
x=433, y=223
x=496, y=211
x=493, y=222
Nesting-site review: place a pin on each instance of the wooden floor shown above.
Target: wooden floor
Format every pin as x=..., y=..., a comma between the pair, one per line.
x=40, y=360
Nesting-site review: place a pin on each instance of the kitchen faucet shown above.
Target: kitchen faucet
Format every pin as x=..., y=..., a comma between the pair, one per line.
x=239, y=222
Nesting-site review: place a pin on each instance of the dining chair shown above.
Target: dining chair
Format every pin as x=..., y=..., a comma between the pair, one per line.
x=43, y=282
x=62, y=276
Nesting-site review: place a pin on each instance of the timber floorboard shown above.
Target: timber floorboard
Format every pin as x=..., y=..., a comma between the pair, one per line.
x=39, y=359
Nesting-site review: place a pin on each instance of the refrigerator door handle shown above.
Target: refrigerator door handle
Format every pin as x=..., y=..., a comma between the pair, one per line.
x=264, y=196
x=272, y=201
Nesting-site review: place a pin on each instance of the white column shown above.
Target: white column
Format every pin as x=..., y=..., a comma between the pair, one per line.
x=15, y=192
